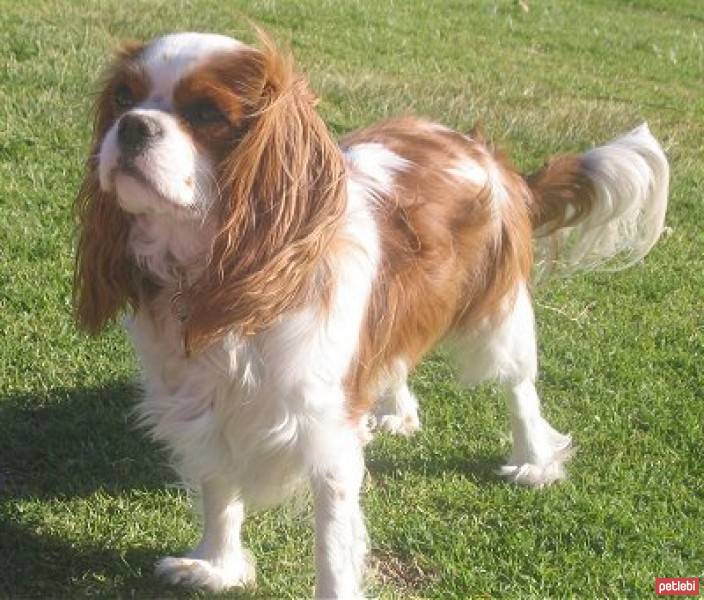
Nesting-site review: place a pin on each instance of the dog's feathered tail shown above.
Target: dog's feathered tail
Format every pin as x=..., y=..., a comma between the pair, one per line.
x=604, y=209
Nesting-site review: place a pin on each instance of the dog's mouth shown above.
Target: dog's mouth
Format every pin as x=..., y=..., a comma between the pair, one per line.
x=127, y=168
x=138, y=193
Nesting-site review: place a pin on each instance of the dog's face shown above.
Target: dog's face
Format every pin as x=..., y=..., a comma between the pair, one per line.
x=204, y=129
x=168, y=115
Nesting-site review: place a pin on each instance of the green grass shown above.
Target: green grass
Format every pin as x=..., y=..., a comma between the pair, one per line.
x=87, y=505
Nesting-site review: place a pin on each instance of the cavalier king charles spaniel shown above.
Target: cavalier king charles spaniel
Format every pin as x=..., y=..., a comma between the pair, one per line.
x=280, y=285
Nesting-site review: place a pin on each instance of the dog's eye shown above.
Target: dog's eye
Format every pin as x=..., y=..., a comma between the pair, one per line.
x=124, y=98
x=204, y=112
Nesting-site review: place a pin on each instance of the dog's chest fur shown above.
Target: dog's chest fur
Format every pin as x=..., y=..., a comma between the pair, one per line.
x=258, y=408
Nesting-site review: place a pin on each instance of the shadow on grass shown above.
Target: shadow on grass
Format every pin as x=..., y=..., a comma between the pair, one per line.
x=480, y=470
x=44, y=566
x=38, y=565
x=65, y=443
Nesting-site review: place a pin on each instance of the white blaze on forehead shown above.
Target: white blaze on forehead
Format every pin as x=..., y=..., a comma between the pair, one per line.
x=168, y=59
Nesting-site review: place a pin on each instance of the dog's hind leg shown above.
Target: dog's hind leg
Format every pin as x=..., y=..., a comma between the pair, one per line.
x=397, y=410
x=539, y=451
x=508, y=352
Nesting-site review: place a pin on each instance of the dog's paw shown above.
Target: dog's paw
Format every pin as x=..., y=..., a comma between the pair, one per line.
x=541, y=474
x=217, y=576
x=536, y=476
x=405, y=425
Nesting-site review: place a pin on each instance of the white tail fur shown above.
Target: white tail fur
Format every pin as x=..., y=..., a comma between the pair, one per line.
x=630, y=178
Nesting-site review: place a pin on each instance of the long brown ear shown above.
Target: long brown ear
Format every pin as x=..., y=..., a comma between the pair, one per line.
x=282, y=201
x=104, y=279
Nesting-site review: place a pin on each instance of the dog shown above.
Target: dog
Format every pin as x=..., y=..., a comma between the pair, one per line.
x=279, y=286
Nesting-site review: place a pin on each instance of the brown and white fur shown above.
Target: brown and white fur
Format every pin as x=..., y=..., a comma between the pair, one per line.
x=280, y=287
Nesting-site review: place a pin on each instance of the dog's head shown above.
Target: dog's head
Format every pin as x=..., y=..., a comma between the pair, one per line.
x=204, y=129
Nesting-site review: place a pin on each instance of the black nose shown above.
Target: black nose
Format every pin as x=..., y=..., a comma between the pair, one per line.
x=136, y=132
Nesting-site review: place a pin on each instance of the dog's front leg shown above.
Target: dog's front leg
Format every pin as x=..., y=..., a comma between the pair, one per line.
x=218, y=562
x=340, y=535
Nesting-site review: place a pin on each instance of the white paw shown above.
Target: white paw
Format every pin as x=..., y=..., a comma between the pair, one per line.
x=237, y=571
x=539, y=474
x=405, y=425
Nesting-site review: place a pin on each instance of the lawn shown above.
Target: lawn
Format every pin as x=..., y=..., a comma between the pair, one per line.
x=87, y=504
